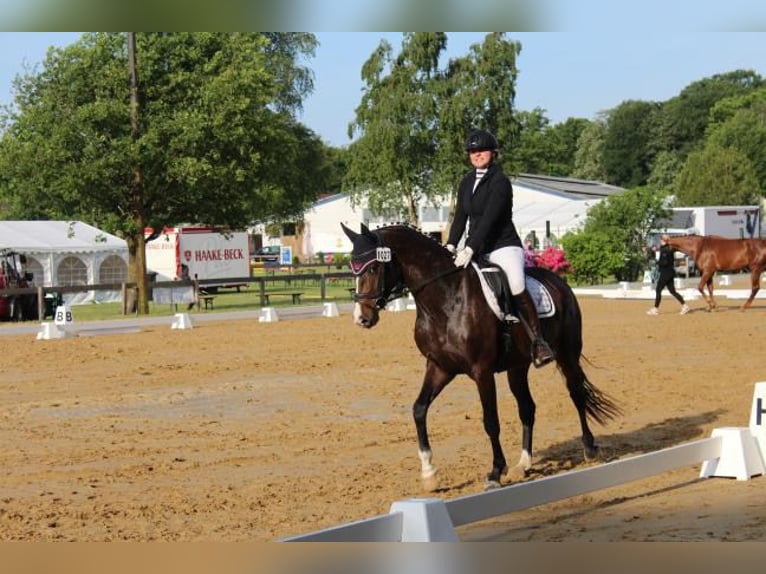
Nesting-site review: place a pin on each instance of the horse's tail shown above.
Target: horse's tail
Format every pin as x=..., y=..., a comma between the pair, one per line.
x=598, y=405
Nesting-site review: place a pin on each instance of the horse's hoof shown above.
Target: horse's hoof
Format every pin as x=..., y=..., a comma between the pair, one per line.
x=517, y=473
x=431, y=484
x=592, y=454
x=492, y=484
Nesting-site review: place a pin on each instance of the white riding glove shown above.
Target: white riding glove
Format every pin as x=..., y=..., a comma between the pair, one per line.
x=451, y=248
x=463, y=257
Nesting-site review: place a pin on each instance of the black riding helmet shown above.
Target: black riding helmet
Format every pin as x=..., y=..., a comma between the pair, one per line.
x=481, y=140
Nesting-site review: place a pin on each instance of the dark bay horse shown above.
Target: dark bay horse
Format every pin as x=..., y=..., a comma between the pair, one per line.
x=713, y=254
x=458, y=333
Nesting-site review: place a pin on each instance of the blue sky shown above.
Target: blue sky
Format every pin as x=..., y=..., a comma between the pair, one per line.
x=569, y=74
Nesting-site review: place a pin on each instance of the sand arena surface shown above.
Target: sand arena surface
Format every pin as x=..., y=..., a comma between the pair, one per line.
x=247, y=431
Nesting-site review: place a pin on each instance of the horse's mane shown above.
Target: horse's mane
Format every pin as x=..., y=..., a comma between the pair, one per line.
x=410, y=229
x=413, y=240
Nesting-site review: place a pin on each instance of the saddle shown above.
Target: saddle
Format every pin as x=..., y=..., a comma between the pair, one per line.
x=497, y=292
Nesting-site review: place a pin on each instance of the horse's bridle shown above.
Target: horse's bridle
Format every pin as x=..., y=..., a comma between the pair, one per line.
x=382, y=254
x=383, y=295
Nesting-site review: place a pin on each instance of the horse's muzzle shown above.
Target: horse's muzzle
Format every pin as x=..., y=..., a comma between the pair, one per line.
x=366, y=316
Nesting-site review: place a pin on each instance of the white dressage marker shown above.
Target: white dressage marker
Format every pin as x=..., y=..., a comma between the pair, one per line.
x=182, y=321
x=268, y=315
x=330, y=310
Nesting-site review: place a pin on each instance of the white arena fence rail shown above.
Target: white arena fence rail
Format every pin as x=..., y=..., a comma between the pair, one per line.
x=733, y=452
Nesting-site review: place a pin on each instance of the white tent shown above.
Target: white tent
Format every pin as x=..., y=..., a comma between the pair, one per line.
x=63, y=253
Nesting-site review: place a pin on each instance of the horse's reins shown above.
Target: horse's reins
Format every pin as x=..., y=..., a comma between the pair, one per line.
x=450, y=271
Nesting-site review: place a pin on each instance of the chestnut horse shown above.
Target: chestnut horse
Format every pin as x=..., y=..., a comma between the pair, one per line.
x=711, y=254
x=458, y=333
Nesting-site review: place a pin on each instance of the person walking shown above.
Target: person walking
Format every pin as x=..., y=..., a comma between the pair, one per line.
x=666, y=279
x=485, y=206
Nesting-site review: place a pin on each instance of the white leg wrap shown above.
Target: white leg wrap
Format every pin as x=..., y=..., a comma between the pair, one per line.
x=427, y=470
x=525, y=461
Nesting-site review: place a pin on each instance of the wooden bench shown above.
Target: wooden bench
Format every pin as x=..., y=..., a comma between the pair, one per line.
x=207, y=300
x=295, y=296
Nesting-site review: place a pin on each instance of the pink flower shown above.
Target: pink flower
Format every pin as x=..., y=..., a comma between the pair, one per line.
x=554, y=259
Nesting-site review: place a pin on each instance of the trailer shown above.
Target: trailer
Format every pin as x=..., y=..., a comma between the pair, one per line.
x=216, y=258
x=732, y=222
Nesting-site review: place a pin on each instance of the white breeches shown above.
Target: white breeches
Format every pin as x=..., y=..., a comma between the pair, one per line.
x=511, y=260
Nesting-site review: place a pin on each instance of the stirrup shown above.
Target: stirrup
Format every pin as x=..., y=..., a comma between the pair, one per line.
x=542, y=354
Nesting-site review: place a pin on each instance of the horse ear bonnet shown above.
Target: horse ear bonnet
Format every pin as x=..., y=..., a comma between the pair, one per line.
x=365, y=250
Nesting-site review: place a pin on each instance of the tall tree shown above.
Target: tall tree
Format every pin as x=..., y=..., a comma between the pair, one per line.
x=534, y=151
x=627, y=151
x=413, y=118
x=390, y=162
x=564, y=138
x=217, y=140
x=717, y=175
x=477, y=90
x=589, y=155
x=684, y=118
x=544, y=148
x=745, y=131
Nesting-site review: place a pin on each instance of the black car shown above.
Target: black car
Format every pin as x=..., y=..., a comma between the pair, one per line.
x=266, y=254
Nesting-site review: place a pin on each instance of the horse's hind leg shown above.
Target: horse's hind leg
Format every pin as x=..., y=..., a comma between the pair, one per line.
x=755, y=286
x=434, y=381
x=519, y=385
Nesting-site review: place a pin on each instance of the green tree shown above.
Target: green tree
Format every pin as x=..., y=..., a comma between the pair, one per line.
x=543, y=148
x=627, y=153
x=395, y=121
x=616, y=228
x=717, y=176
x=216, y=140
x=589, y=153
x=534, y=150
x=477, y=90
x=665, y=168
x=745, y=131
x=413, y=118
x=336, y=165
x=564, y=138
x=683, y=120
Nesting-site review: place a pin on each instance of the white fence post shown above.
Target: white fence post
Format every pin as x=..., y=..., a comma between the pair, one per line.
x=425, y=520
x=739, y=457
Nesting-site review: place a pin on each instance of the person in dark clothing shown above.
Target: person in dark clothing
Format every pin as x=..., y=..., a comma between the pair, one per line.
x=485, y=207
x=667, y=276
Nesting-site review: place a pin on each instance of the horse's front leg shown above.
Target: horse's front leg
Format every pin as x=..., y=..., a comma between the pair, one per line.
x=488, y=395
x=434, y=381
x=519, y=385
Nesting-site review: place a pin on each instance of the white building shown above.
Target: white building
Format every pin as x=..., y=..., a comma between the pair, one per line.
x=544, y=207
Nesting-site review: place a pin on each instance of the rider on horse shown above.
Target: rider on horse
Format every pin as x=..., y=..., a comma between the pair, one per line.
x=485, y=204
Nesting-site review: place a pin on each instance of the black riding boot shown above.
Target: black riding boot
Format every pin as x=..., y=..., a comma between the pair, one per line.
x=541, y=352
